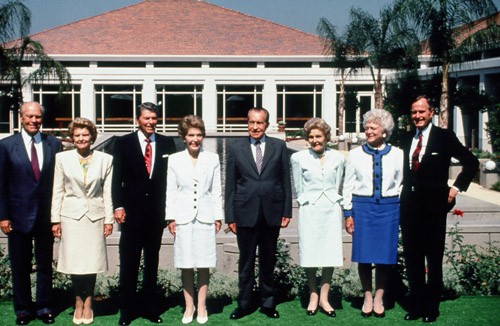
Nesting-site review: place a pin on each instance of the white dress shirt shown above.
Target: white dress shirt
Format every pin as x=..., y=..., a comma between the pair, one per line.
x=143, y=143
x=38, y=146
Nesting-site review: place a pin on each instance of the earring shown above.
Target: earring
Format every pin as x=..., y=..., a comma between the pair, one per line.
x=384, y=135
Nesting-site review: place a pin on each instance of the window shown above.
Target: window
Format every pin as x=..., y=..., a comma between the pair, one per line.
x=298, y=103
x=60, y=108
x=233, y=103
x=177, y=101
x=115, y=106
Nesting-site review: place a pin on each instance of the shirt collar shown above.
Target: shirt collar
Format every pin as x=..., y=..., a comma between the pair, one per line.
x=27, y=138
x=425, y=132
x=142, y=137
x=262, y=140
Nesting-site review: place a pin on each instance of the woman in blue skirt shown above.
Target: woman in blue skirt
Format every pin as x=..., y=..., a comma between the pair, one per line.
x=373, y=176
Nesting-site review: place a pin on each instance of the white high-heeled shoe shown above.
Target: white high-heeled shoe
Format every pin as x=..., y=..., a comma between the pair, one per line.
x=188, y=319
x=77, y=321
x=202, y=319
x=88, y=321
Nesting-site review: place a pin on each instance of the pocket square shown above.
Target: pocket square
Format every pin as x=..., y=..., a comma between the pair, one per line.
x=164, y=156
x=434, y=153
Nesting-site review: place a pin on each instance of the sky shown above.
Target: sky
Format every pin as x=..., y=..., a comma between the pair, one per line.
x=300, y=14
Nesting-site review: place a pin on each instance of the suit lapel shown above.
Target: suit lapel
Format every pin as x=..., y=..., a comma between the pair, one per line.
x=270, y=149
x=23, y=155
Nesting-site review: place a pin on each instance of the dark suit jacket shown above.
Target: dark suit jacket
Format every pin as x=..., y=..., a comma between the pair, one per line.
x=246, y=190
x=22, y=199
x=142, y=197
x=432, y=176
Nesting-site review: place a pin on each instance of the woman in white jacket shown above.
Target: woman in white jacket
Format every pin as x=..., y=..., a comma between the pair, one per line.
x=194, y=212
x=82, y=214
x=317, y=173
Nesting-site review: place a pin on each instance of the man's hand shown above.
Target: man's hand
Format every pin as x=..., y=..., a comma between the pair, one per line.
x=232, y=227
x=56, y=230
x=6, y=226
x=349, y=225
x=285, y=221
x=120, y=215
x=108, y=229
x=453, y=193
x=171, y=227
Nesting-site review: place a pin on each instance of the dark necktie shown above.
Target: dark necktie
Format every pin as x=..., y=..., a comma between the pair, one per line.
x=148, y=155
x=34, y=160
x=416, y=153
x=258, y=156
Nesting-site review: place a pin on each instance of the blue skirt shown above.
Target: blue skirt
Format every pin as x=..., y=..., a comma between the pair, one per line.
x=375, y=237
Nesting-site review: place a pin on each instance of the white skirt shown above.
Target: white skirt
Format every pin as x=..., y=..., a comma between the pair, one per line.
x=320, y=234
x=194, y=245
x=82, y=248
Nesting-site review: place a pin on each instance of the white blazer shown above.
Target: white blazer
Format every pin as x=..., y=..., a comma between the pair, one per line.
x=194, y=192
x=72, y=198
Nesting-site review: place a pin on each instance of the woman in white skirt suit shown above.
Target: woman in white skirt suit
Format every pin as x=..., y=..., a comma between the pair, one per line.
x=317, y=174
x=82, y=214
x=194, y=212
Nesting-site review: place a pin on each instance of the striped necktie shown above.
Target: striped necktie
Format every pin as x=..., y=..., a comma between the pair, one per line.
x=258, y=156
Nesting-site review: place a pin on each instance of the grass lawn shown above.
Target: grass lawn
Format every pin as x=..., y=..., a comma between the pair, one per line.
x=475, y=311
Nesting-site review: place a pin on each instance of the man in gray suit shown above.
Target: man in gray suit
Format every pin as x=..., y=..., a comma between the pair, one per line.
x=258, y=202
x=26, y=172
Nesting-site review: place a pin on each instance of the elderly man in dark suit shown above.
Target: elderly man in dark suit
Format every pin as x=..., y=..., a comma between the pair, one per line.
x=426, y=199
x=138, y=189
x=26, y=172
x=258, y=202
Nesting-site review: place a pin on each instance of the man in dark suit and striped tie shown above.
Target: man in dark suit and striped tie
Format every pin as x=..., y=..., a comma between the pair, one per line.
x=258, y=202
x=426, y=199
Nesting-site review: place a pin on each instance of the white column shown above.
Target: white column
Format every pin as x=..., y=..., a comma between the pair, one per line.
x=269, y=100
x=329, y=103
x=483, y=141
x=209, y=103
x=87, y=98
x=458, y=124
x=148, y=86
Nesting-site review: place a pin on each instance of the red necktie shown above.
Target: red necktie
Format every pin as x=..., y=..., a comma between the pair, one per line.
x=416, y=153
x=148, y=155
x=34, y=160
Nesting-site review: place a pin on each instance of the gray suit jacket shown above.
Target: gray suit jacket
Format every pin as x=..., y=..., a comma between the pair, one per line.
x=247, y=193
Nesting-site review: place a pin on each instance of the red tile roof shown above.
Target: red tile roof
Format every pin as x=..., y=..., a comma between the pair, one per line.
x=177, y=27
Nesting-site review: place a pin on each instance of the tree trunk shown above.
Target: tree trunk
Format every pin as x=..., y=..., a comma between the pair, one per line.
x=379, y=99
x=341, y=104
x=443, y=101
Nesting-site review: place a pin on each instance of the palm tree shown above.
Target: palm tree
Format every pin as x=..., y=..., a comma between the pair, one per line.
x=343, y=57
x=384, y=41
x=15, y=22
x=438, y=23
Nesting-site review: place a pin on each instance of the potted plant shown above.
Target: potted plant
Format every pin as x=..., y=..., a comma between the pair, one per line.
x=281, y=126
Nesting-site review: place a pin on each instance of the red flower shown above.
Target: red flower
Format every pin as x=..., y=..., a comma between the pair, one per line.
x=458, y=212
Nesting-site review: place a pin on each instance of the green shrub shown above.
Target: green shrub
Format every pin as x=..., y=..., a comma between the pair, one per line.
x=222, y=286
x=476, y=270
x=5, y=275
x=496, y=186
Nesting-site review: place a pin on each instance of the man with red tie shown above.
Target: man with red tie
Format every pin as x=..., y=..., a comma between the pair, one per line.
x=26, y=173
x=426, y=199
x=138, y=189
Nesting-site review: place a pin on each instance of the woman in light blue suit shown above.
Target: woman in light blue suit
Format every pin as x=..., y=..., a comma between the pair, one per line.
x=317, y=174
x=82, y=214
x=194, y=212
